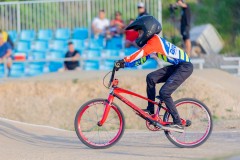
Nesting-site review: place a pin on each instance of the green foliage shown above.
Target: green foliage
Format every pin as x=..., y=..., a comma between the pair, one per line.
x=224, y=15
x=237, y=44
x=171, y=33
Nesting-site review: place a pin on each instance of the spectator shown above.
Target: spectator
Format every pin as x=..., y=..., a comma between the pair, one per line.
x=131, y=36
x=117, y=25
x=74, y=55
x=141, y=9
x=185, y=25
x=7, y=38
x=100, y=24
x=5, y=52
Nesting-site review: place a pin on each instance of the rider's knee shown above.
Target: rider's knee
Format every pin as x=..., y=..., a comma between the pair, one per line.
x=149, y=79
x=164, y=93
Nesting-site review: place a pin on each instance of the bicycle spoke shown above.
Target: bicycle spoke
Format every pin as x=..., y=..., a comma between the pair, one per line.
x=89, y=120
x=96, y=112
x=94, y=126
x=109, y=120
x=199, y=128
x=99, y=136
x=107, y=132
x=112, y=123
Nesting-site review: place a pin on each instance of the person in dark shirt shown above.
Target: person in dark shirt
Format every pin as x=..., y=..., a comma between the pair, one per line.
x=185, y=24
x=141, y=9
x=74, y=55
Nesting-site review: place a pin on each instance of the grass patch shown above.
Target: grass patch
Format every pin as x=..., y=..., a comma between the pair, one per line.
x=75, y=81
x=215, y=117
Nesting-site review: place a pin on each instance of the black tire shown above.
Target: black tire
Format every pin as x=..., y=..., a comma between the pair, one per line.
x=190, y=101
x=79, y=117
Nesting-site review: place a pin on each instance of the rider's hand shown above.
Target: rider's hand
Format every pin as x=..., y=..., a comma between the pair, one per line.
x=119, y=64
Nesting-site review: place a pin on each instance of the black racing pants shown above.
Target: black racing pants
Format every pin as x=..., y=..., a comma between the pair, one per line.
x=173, y=76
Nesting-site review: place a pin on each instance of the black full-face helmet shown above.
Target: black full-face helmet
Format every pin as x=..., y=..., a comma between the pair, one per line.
x=149, y=25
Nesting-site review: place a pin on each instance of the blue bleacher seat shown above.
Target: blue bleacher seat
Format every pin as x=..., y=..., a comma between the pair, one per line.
x=2, y=73
x=111, y=53
x=114, y=43
x=108, y=64
x=56, y=54
x=17, y=70
x=13, y=34
x=41, y=45
x=130, y=50
x=80, y=33
x=93, y=53
x=55, y=66
x=23, y=46
x=91, y=65
x=45, y=34
x=35, y=68
x=59, y=45
x=78, y=44
x=96, y=43
x=62, y=34
x=150, y=64
x=38, y=55
x=27, y=35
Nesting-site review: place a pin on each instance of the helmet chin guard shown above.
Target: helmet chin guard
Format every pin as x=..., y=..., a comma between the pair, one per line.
x=149, y=25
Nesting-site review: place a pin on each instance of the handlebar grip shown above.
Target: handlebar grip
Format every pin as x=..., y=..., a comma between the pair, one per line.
x=117, y=65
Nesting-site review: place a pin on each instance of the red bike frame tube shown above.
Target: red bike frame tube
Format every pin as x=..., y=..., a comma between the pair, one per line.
x=107, y=109
x=116, y=93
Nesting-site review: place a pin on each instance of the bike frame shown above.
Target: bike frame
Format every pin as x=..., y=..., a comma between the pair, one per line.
x=116, y=92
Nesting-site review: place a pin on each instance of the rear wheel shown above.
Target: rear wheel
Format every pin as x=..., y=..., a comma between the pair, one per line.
x=199, y=123
x=88, y=130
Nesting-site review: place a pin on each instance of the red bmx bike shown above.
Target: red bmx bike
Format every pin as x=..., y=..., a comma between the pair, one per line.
x=100, y=123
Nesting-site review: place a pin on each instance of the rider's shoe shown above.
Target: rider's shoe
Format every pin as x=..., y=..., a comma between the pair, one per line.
x=148, y=111
x=175, y=127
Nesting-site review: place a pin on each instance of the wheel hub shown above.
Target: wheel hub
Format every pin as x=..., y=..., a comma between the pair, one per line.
x=188, y=123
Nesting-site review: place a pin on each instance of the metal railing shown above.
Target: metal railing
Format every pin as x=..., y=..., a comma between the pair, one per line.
x=52, y=14
x=232, y=66
x=198, y=62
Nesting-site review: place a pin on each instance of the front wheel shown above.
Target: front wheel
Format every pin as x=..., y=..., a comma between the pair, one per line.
x=88, y=130
x=199, y=126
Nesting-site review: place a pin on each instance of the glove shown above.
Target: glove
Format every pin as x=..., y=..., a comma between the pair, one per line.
x=119, y=64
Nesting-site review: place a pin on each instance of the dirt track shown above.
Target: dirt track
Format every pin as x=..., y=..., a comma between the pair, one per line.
x=21, y=141
x=49, y=100
x=57, y=97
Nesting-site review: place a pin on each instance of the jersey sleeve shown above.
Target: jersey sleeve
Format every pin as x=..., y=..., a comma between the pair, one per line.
x=152, y=46
x=137, y=62
x=143, y=52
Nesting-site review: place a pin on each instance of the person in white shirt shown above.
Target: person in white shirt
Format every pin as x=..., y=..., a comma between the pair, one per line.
x=100, y=24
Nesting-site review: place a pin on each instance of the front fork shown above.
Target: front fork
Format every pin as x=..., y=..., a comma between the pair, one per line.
x=106, y=110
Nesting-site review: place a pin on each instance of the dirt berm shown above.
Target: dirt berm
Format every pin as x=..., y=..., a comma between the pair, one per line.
x=54, y=99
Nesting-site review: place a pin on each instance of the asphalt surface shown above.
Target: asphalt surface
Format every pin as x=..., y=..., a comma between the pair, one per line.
x=20, y=141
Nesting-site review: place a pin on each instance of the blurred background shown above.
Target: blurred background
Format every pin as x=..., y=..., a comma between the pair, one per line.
x=39, y=32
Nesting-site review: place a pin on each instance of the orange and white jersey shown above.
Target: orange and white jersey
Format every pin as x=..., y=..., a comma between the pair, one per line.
x=163, y=49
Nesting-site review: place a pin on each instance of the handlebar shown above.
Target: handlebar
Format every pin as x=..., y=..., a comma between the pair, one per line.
x=115, y=68
x=112, y=77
